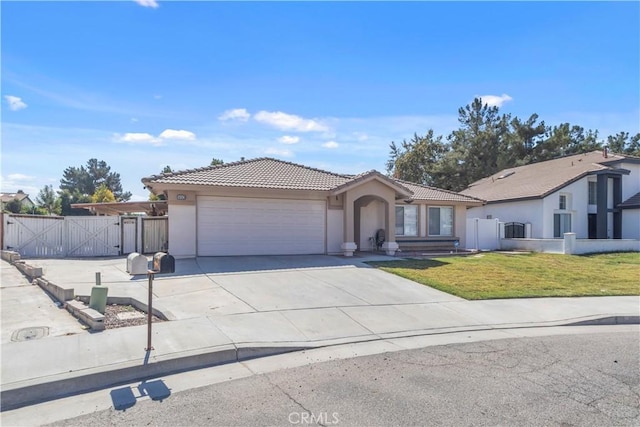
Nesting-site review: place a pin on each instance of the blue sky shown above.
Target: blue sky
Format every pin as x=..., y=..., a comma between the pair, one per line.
x=142, y=84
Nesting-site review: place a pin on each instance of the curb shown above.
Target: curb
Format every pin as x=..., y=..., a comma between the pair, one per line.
x=30, y=392
x=610, y=320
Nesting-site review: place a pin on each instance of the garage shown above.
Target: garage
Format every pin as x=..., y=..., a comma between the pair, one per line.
x=253, y=226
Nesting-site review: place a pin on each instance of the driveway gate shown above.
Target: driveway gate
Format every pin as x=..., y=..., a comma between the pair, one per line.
x=35, y=236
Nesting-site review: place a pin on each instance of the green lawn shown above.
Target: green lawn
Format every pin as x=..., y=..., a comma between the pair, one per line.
x=499, y=275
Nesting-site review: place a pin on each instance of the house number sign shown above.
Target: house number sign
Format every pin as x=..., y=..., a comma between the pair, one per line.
x=181, y=197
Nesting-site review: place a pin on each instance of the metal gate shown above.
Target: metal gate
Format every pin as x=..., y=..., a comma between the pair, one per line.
x=35, y=236
x=514, y=230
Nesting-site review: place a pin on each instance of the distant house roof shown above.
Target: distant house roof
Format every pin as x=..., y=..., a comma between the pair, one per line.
x=538, y=180
x=423, y=192
x=277, y=174
x=632, y=202
x=7, y=197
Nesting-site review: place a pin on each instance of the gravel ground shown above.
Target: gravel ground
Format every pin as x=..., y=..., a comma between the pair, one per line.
x=135, y=318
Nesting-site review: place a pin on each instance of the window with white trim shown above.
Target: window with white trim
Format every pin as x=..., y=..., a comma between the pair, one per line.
x=562, y=204
x=440, y=221
x=406, y=220
x=593, y=193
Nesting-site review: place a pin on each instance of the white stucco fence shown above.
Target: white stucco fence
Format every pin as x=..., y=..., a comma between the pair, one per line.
x=554, y=246
x=589, y=246
x=571, y=246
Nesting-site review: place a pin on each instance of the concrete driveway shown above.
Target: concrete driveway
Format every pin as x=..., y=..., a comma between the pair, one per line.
x=217, y=286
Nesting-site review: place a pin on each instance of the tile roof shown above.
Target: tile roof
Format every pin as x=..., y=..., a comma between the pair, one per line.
x=631, y=202
x=537, y=180
x=277, y=174
x=424, y=192
x=257, y=173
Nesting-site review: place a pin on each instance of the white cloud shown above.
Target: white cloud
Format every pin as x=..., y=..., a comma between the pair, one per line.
x=286, y=139
x=495, y=100
x=20, y=177
x=15, y=103
x=360, y=136
x=138, y=138
x=178, y=134
x=239, y=114
x=148, y=3
x=134, y=120
x=285, y=121
x=17, y=181
x=278, y=152
x=331, y=144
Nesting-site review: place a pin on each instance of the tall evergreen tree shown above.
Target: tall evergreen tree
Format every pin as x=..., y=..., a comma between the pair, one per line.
x=86, y=180
x=623, y=144
x=417, y=160
x=478, y=145
x=48, y=200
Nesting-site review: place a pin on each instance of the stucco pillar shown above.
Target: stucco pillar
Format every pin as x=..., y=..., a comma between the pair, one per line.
x=348, y=245
x=569, y=243
x=390, y=246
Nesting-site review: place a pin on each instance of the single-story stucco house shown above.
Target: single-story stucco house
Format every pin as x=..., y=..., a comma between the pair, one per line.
x=267, y=206
x=595, y=195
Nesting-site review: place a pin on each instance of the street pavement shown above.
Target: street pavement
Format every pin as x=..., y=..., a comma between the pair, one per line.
x=222, y=310
x=585, y=379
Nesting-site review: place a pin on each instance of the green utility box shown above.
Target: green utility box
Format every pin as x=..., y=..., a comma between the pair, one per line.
x=98, y=299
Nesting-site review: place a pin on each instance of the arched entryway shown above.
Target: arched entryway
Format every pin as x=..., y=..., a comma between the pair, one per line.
x=369, y=205
x=370, y=215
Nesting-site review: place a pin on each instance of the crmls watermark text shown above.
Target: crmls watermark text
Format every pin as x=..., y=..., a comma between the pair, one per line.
x=322, y=418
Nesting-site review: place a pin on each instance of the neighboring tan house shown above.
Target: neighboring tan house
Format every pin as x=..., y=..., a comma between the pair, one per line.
x=23, y=198
x=272, y=207
x=595, y=195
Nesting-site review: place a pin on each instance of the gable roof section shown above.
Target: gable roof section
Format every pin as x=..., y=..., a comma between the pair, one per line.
x=538, y=180
x=257, y=173
x=632, y=202
x=373, y=175
x=424, y=192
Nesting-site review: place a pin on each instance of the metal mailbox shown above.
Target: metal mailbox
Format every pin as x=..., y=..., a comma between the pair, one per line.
x=137, y=264
x=164, y=263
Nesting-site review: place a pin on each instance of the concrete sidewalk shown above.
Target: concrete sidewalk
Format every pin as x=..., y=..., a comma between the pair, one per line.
x=227, y=309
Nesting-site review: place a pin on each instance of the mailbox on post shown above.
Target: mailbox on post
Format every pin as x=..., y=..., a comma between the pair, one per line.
x=137, y=264
x=163, y=263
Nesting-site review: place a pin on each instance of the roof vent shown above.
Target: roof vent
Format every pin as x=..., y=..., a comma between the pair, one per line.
x=506, y=174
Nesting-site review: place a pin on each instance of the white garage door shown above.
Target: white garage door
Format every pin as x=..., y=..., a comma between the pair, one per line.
x=239, y=226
